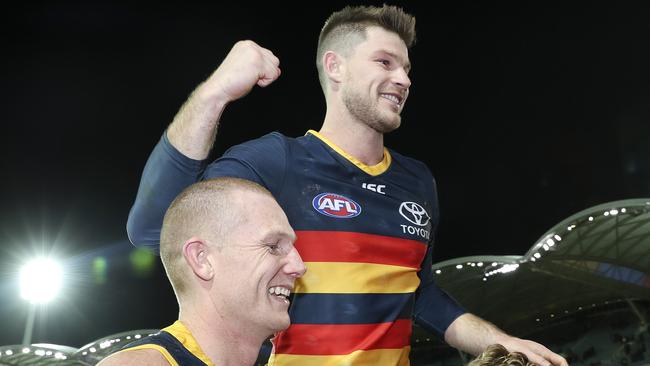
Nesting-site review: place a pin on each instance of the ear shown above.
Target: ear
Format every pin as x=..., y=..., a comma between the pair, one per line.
x=333, y=65
x=196, y=252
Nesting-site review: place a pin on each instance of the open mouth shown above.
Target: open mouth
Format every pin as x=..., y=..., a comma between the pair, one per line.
x=281, y=293
x=396, y=99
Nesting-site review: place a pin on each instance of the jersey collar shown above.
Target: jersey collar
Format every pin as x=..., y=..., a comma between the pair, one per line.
x=180, y=332
x=373, y=170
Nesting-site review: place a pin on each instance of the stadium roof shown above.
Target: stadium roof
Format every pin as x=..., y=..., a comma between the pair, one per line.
x=595, y=260
x=37, y=355
x=51, y=354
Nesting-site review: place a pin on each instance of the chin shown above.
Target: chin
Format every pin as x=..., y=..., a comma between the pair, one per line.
x=387, y=126
x=281, y=324
x=396, y=124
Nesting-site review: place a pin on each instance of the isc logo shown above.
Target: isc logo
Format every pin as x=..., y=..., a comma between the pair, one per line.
x=335, y=205
x=379, y=188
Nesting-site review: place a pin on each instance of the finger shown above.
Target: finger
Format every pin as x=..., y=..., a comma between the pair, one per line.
x=548, y=359
x=272, y=64
x=557, y=360
x=269, y=77
x=269, y=64
x=552, y=358
x=537, y=359
x=270, y=68
x=269, y=56
x=533, y=351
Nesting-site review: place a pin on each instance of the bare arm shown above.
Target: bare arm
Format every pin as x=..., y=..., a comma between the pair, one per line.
x=177, y=160
x=140, y=357
x=472, y=334
x=194, y=127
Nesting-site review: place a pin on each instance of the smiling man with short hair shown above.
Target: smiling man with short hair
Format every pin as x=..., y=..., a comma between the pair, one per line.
x=227, y=248
x=365, y=216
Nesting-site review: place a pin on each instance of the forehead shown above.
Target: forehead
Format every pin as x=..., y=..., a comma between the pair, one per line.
x=380, y=40
x=259, y=214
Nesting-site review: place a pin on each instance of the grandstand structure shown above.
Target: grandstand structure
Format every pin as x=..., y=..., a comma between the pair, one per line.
x=583, y=289
x=48, y=354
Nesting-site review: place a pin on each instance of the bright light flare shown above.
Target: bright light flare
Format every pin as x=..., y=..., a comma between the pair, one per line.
x=40, y=280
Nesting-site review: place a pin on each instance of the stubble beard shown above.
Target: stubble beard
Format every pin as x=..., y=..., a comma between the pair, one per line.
x=368, y=113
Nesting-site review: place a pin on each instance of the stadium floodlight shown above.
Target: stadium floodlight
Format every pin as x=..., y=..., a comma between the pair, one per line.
x=40, y=281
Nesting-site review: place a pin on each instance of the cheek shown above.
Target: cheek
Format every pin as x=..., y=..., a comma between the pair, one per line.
x=270, y=268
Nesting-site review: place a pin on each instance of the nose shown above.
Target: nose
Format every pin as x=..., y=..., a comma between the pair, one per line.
x=295, y=266
x=402, y=78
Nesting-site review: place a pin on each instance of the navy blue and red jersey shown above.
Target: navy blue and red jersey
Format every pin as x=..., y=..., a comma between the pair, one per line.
x=364, y=232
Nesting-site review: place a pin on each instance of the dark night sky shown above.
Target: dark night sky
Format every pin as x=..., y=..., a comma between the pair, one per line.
x=525, y=115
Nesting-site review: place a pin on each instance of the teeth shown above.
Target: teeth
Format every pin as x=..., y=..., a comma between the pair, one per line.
x=392, y=98
x=279, y=291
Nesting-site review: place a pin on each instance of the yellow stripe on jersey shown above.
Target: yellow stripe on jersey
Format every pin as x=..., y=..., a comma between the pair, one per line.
x=180, y=332
x=156, y=347
x=350, y=278
x=376, y=169
x=397, y=357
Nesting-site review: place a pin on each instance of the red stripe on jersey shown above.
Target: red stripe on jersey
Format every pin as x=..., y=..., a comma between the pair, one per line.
x=339, y=246
x=341, y=339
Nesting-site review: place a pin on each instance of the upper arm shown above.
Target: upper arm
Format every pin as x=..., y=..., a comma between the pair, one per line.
x=144, y=357
x=165, y=175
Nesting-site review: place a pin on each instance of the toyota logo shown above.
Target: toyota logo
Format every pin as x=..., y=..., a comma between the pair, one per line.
x=414, y=213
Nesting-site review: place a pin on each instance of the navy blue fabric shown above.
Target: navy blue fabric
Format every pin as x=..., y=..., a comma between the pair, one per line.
x=296, y=170
x=165, y=175
x=175, y=348
x=350, y=309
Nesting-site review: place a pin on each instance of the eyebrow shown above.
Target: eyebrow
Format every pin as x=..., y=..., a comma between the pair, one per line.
x=276, y=233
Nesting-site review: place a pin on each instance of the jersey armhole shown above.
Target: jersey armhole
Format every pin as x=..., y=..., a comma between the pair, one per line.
x=163, y=351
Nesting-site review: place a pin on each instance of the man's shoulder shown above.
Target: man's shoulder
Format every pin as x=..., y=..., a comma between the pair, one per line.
x=270, y=140
x=274, y=137
x=140, y=356
x=409, y=162
x=266, y=146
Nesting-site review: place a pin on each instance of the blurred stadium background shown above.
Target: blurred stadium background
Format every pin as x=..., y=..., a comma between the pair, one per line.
x=583, y=289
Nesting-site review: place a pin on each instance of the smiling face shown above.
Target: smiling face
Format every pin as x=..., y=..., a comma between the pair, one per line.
x=257, y=265
x=375, y=83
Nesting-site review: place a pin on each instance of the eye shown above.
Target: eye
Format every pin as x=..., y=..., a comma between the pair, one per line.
x=384, y=62
x=274, y=249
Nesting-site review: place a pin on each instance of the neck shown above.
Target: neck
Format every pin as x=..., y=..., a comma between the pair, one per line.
x=354, y=137
x=223, y=342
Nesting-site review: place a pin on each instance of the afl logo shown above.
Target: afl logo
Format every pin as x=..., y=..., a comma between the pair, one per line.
x=335, y=205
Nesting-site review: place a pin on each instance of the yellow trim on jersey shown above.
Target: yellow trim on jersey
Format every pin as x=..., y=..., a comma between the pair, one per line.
x=180, y=332
x=376, y=169
x=398, y=357
x=349, y=278
x=183, y=335
x=156, y=347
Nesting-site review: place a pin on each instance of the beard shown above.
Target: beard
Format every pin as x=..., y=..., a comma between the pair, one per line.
x=369, y=113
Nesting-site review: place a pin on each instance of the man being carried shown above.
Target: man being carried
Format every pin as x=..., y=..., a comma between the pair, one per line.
x=365, y=216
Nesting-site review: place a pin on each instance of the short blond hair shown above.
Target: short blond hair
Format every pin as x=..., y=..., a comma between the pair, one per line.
x=498, y=355
x=204, y=210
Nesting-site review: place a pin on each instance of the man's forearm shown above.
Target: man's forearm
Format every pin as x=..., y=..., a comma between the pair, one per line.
x=472, y=334
x=194, y=127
